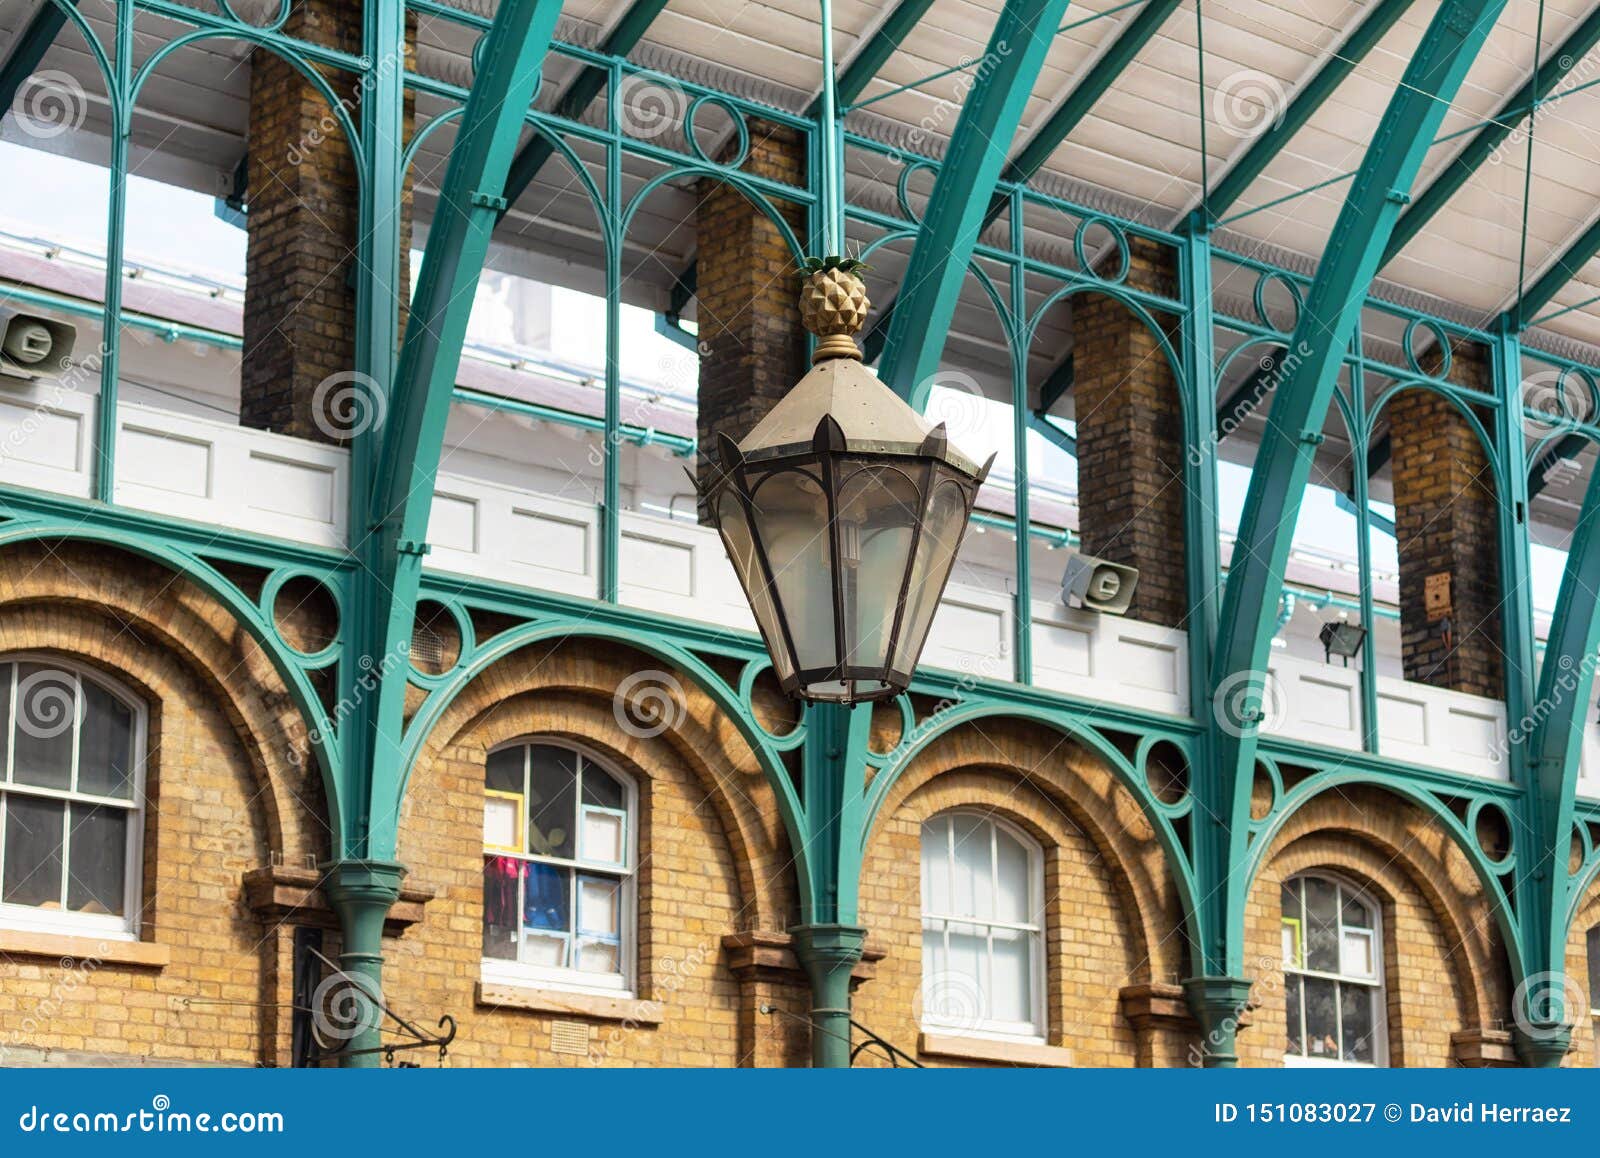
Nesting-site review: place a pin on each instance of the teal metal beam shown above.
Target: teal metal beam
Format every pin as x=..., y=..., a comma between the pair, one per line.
x=1044, y=140
x=578, y=95
x=956, y=207
x=1544, y=890
x=1555, y=277
x=412, y=441
x=1057, y=384
x=32, y=43
x=1041, y=422
x=1311, y=97
x=1283, y=463
x=1486, y=142
x=870, y=58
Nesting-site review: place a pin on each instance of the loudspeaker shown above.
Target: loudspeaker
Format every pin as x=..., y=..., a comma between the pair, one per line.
x=1098, y=585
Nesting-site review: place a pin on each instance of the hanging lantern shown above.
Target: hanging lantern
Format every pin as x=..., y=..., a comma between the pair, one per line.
x=842, y=512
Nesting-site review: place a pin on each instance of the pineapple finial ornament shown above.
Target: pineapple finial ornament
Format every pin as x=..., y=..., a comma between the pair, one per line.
x=833, y=304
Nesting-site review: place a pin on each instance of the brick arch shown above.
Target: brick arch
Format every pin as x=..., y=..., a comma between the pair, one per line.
x=568, y=689
x=1585, y=1042
x=173, y=645
x=1113, y=915
x=1446, y=970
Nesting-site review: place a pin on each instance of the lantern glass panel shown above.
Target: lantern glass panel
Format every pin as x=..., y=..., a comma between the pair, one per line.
x=736, y=537
x=942, y=530
x=878, y=511
x=790, y=513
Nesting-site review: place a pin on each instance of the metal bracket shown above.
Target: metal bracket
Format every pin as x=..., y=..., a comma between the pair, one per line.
x=413, y=547
x=489, y=201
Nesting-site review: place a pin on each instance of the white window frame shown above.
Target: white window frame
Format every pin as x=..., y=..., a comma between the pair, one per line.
x=520, y=974
x=35, y=920
x=1035, y=1030
x=1375, y=984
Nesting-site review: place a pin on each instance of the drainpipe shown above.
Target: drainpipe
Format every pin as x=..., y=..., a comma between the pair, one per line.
x=361, y=893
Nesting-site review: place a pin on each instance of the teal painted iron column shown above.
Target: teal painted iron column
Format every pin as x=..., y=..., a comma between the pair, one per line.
x=413, y=438
x=831, y=838
x=960, y=197
x=1283, y=465
x=1218, y=1004
x=361, y=893
x=1546, y=892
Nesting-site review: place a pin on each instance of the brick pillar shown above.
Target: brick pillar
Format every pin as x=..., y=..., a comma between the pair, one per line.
x=752, y=344
x=300, y=305
x=1130, y=440
x=1446, y=525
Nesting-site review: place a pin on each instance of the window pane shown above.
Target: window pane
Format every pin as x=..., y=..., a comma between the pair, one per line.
x=105, y=763
x=46, y=711
x=599, y=906
x=502, y=822
x=973, y=892
x=1322, y=1018
x=97, y=874
x=601, y=788
x=1594, y=967
x=1322, y=926
x=1355, y=912
x=603, y=837
x=1292, y=994
x=544, y=949
x=5, y=716
x=1292, y=948
x=33, y=851
x=933, y=957
x=1011, y=883
x=936, y=866
x=1356, y=1003
x=599, y=957
x=552, y=801
x=964, y=986
x=504, y=770
x=1356, y=953
x=1010, y=998
x=547, y=898
x=500, y=877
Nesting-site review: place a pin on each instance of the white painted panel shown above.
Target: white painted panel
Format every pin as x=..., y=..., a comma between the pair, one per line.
x=659, y=564
x=40, y=436
x=1148, y=664
x=453, y=524
x=1402, y=719
x=1327, y=704
x=1062, y=647
x=966, y=633
x=1474, y=734
x=165, y=461
x=548, y=541
x=286, y=486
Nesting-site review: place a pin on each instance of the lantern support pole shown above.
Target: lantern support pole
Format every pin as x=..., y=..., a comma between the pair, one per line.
x=828, y=942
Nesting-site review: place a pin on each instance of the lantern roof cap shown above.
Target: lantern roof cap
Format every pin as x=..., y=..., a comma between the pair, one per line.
x=867, y=417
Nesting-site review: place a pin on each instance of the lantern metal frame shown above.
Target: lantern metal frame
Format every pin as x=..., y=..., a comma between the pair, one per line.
x=831, y=459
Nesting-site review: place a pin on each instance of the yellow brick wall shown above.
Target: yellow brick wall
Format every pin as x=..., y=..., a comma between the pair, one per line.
x=223, y=797
x=227, y=798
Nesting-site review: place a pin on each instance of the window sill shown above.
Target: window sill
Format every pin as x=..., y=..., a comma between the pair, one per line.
x=600, y=1006
x=60, y=947
x=994, y=1049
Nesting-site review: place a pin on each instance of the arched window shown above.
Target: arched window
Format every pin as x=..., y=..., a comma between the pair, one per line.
x=982, y=927
x=72, y=799
x=558, y=868
x=1333, y=974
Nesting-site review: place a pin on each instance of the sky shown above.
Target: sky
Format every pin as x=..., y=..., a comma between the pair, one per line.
x=65, y=201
